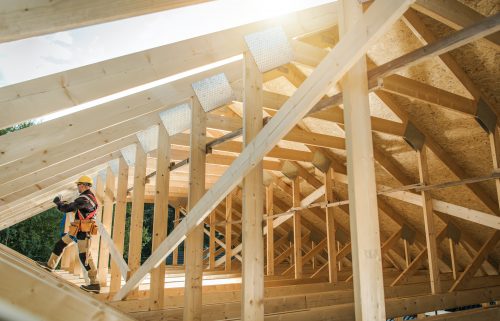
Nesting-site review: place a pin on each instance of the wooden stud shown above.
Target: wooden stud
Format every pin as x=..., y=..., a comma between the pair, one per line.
x=270, y=228
x=193, y=245
x=330, y=227
x=297, y=229
x=137, y=212
x=119, y=222
x=107, y=219
x=228, y=231
x=175, y=255
x=65, y=256
x=365, y=238
x=430, y=229
x=252, y=307
x=211, y=249
x=407, y=253
x=99, y=193
x=160, y=220
x=451, y=243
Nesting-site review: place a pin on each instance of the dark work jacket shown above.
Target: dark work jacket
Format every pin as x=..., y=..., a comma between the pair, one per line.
x=81, y=204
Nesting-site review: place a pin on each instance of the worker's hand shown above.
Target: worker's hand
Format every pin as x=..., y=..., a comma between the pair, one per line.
x=57, y=199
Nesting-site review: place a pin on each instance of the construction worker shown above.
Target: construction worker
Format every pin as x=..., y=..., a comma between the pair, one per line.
x=80, y=231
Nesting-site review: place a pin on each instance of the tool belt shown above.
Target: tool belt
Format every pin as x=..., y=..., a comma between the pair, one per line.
x=86, y=226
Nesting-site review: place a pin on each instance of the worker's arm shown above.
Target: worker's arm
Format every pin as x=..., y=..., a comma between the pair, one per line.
x=65, y=207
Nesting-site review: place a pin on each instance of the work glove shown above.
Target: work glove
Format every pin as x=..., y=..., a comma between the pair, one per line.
x=57, y=199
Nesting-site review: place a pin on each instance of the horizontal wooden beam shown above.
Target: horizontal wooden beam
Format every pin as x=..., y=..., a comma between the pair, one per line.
x=37, y=17
x=77, y=86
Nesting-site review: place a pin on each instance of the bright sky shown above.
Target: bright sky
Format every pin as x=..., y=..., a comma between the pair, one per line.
x=39, y=56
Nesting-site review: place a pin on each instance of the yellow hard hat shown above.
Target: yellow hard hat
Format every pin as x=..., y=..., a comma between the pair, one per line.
x=85, y=180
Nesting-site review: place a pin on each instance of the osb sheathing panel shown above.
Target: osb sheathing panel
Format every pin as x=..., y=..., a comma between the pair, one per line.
x=478, y=59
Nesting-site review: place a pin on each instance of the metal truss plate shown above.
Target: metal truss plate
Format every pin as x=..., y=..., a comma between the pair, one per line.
x=213, y=92
x=177, y=119
x=270, y=48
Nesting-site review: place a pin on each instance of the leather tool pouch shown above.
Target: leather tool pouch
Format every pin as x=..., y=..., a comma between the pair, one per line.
x=73, y=228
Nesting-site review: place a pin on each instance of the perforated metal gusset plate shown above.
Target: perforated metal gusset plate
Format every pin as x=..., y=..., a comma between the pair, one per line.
x=270, y=48
x=148, y=138
x=177, y=119
x=129, y=154
x=213, y=92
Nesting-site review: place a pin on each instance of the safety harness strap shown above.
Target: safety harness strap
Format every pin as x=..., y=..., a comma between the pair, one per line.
x=91, y=198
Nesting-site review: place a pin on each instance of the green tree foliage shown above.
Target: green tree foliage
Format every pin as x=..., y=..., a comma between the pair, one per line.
x=34, y=237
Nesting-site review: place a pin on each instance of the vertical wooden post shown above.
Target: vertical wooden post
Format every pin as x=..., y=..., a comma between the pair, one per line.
x=193, y=245
x=297, y=229
x=137, y=213
x=107, y=218
x=453, y=260
x=99, y=193
x=211, y=250
x=119, y=222
x=430, y=230
x=175, y=255
x=228, y=236
x=365, y=235
x=330, y=228
x=77, y=267
x=160, y=220
x=65, y=260
x=407, y=254
x=253, y=202
x=495, y=155
x=270, y=228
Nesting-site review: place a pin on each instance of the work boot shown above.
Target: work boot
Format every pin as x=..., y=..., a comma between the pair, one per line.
x=94, y=288
x=45, y=266
x=51, y=263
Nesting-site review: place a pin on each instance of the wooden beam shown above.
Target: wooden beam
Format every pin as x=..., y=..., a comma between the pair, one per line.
x=175, y=255
x=107, y=219
x=426, y=36
x=367, y=268
x=270, y=228
x=330, y=228
x=137, y=212
x=119, y=223
x=430, y=229
x=212, y=239
x=376, y=21
x=297, y=227
x=472, y=268
x=77, y=86
x=36, y=17
x=160, y=219
x=453, y=255
x=35, y=291
x=66, y=128
x=455, y=15
x=193, y=246
x=60, y=159
x=464, y=213
x=478, y=30
x=252, y=307
x=417, y=261
x=228, y=234
x=413, y=89
x=99, y=193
